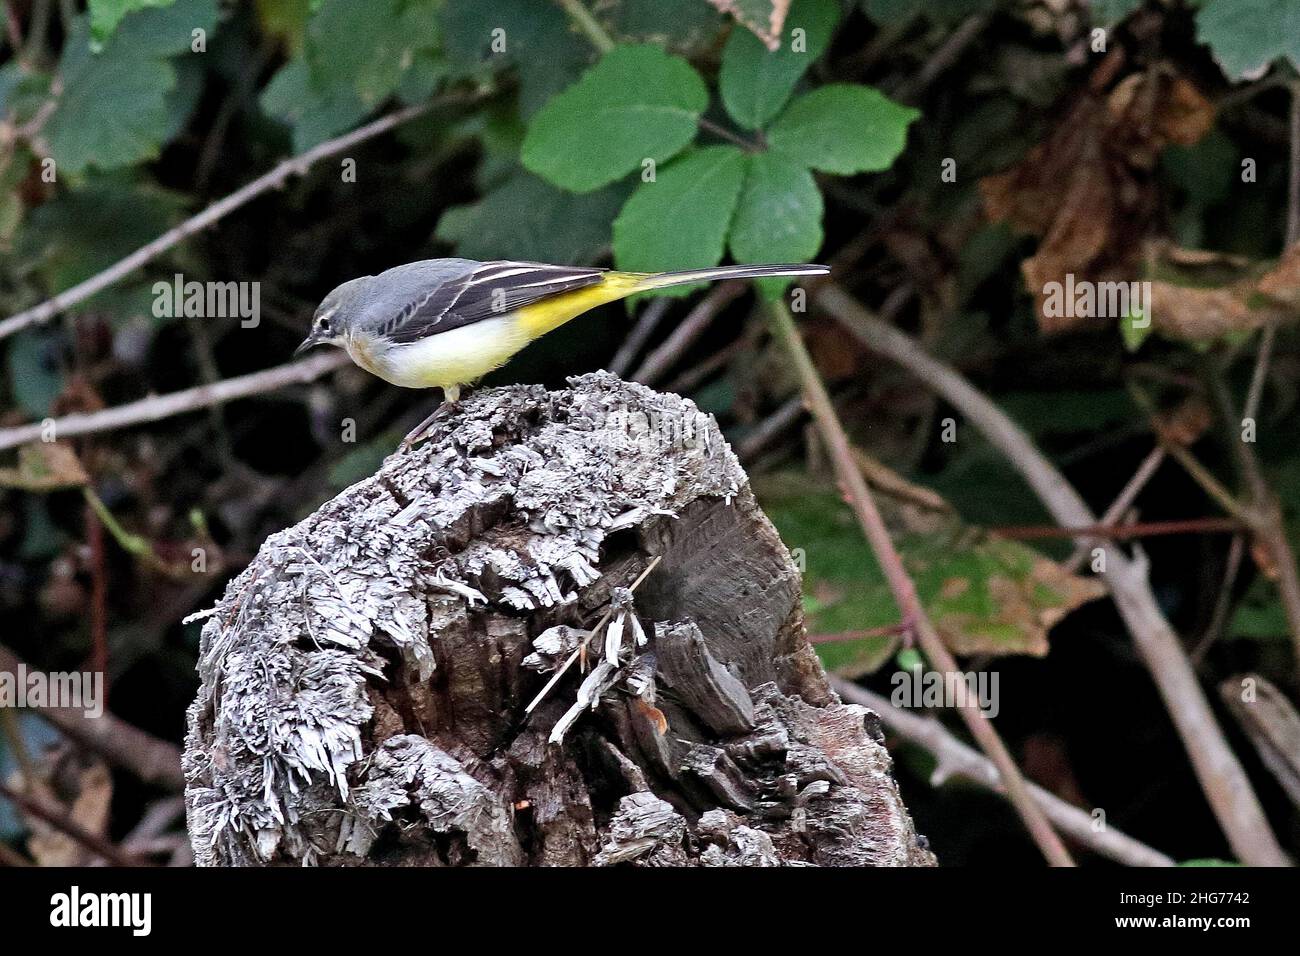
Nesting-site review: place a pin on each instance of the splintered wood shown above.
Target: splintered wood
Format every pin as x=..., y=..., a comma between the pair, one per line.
x=391, y=680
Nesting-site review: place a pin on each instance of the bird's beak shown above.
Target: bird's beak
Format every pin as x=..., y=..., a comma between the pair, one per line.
x=307, y=343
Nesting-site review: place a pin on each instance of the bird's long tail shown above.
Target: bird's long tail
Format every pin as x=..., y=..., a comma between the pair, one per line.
x=663, y=280
x=550, y=313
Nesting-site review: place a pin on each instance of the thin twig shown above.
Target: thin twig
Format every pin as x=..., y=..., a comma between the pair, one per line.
x=1224, y=782
x=98, y=593
x=1223, y=603
x=943, y=58
x=693, y=376
x=1266, y=512
x=588, y=24
x=645, y=327
x=62, y=821
x=1211, y=485
x=157, y=407
x=1264, y=515
x=1119, y=532
x=955, y=760
x=1120, y=506
x=688, y=330
x=762, y=434
x=577, y=652
x=900, y=583
x=294, y=166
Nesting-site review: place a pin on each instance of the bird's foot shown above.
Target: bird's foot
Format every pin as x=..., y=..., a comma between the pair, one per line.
x=450, y=402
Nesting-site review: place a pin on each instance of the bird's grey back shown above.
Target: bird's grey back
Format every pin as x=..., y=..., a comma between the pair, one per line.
x=388, y=293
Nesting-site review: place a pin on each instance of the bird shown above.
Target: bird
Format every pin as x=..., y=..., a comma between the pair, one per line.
x=448, y=322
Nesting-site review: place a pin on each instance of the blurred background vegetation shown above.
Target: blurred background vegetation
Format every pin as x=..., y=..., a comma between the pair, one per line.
x=946, y=158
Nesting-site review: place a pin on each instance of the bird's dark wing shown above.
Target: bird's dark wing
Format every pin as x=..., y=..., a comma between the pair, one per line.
x=487, y=290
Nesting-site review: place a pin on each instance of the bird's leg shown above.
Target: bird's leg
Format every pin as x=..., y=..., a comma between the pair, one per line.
x=450, y=398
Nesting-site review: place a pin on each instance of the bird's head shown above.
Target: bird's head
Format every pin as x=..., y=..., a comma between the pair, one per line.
x=335, y=314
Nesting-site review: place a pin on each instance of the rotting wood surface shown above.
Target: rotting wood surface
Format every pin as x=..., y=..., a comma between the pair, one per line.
x=365, y=679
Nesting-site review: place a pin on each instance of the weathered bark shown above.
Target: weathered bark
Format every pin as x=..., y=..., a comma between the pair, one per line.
x=365, y=680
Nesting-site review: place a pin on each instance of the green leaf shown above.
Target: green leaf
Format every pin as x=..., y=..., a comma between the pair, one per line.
x=1260, y=615
x=536, y=39
x=1246, y=36
x=985, y=594
x=105, y=15
x=314, y=114
x=355, y=57
x=22, y=93
x=1049, y=413
x=842, y=129
x=1133, y=333
x=363, y=461
x=165, y=30
x=34, y=378
x=113, y=109
x=285, y=22
x=779, y=216
x=678, y=25
x=637, y=103
x=426, y=73
x=680, y=221
x=754, y=82
x=528, y=218
x=369, y=46
x=85, y=230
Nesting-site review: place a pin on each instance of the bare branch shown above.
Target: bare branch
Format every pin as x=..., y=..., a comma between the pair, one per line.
x=157, y=407
x=296, y=165
x=688, y=330
x=1150, y=465
x=645, y=327
x=904, y=591
x=62, y=821
x=1226, y=786
x=954, y=759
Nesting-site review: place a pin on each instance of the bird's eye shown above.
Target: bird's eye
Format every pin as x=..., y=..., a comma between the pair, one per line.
x=323, y=324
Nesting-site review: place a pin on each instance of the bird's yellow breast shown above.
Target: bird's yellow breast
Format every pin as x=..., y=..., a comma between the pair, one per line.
x=455, y=357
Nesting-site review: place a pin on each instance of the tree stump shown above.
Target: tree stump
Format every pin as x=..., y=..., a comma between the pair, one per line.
x=366, y=680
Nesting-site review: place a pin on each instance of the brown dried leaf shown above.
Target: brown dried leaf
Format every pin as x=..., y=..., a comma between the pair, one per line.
x=1188, y=312
x=1204, y=295
x=89, y=807
x=45, y=466
x=1281, y=283
x=1029, y=602
x=1085, y=190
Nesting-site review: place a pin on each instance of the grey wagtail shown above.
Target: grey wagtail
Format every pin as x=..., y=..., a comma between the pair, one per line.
x=448, y=322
